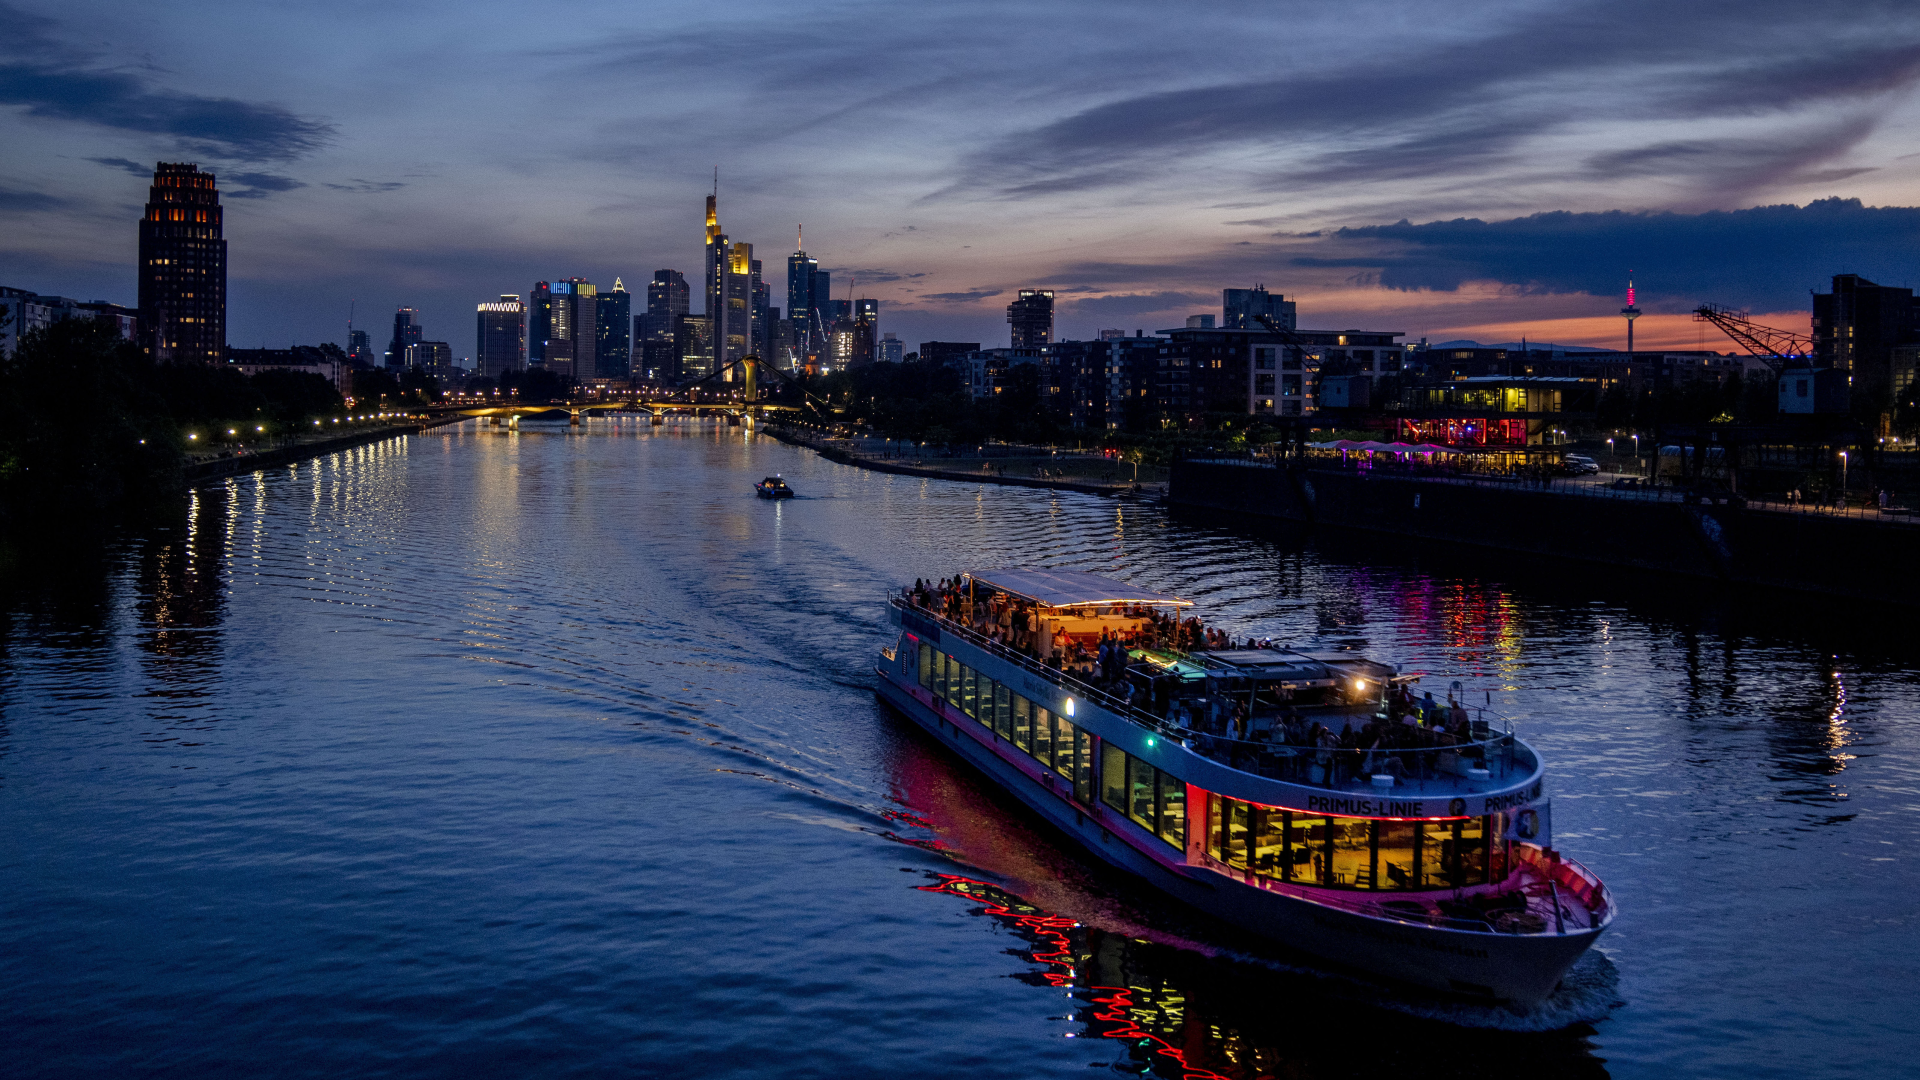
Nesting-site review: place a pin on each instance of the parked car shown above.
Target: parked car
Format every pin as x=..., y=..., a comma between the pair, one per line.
x=1580, y=464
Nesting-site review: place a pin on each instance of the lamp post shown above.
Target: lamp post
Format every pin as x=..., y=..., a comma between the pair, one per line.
x=1843, y=479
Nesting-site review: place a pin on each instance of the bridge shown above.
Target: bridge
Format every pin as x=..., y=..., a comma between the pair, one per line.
x=695, y=398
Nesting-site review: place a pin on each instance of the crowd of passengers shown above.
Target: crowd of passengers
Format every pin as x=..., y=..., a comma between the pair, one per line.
x=1380, y=745
x=1029, y=628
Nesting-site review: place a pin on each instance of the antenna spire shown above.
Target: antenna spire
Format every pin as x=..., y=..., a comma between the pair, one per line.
x=799, y=238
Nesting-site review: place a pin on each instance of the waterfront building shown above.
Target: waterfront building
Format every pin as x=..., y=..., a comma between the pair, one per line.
x=1260, y=373
x=325, y=361
x=22, y=311
x=183, y=267
x=1871, y=332
x=947, y=352
x=1240, y=308
x=500, y=343
x=1031, y=317
x=613, y=339
x=406, y=332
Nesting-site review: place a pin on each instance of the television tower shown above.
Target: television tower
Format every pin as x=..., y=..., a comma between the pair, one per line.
x=1631, y=313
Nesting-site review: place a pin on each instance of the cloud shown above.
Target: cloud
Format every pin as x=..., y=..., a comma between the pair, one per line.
x=133, y=167
x=1438, y=106
x=260, y=185
x=369, y=186
x=962, y=297
x=55, y=82
x=873, y=276
x=1762, y=257
x=19, y=201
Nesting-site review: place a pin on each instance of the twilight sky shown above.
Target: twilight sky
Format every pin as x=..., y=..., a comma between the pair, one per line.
x=1450, y=170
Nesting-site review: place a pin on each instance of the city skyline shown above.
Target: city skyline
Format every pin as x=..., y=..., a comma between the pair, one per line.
x=954, y=171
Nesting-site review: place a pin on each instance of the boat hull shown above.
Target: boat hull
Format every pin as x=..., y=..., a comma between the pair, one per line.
x=1519, y=968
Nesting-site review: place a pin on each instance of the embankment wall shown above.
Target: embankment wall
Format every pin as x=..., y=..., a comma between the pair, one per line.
x=1845, y=557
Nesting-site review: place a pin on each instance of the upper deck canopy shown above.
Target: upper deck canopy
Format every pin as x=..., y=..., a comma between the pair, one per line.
x=1072, y=588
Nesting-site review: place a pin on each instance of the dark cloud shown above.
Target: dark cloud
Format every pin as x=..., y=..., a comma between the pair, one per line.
x=1131, y=305
x=1766, y=257
x=56, y=82
x=133, y=167
x=1461, y=103
x=17, y=201
x=369, y=186
x=259, y=185
x=962, y=297
x=873, y=276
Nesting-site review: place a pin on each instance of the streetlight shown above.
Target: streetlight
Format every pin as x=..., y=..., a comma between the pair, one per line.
x=1843, y=479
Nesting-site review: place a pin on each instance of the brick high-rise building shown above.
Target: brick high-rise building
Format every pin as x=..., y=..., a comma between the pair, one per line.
x=183, y=267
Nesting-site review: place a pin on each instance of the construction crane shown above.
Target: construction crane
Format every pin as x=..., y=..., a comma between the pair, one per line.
x=1773, y=347
x=1309, y=352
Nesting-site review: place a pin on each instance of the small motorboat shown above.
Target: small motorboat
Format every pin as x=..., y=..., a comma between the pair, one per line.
x=773, y=487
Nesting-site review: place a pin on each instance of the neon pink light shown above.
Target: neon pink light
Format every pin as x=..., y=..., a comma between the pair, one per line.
x=1629, y=292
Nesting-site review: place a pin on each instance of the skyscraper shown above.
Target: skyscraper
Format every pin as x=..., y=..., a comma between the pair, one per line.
x=501, y=344
x=890, y=348
x=539, y=324
x=1031, y=317
x=763, y=314
x=583, y=330
x=183, y=267
x=359, y=348
x=406, y=331
x=866, y=330
x=801, y=273
x=1240, y=306
x=613, y=347
x=667, y=301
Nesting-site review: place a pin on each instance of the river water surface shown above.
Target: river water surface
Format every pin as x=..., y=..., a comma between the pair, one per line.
x=555, y=753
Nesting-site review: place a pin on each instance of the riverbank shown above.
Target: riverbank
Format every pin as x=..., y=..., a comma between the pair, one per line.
x=219, y=468
x=840, y=451
x=1846, y=555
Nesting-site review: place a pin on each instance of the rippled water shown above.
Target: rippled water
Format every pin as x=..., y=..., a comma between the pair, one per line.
x=555, y=753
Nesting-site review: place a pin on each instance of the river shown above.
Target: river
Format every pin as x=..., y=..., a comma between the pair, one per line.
x=554, y=753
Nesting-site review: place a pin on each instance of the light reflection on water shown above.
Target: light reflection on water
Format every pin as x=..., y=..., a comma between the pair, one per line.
x=554, y=751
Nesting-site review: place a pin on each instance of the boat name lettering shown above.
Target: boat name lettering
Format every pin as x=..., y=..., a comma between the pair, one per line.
x=1321, y=804
x=1497, y=803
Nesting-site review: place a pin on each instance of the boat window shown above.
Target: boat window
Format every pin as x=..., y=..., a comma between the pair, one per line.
x=1082, y=766
x=1353, y=853
x=1141, y=796
x=926, y=665
x=1266, y=840
x=1113, y=776
x=1063, y=747
x=1394, y=865
x=1352, y=858
x=1021, y=708
x=1306, y=849
x=1002, y=707
x=1173, y=809
x=952, y=685
x=969, y=699
x=1043, y=737
x=1023, y=728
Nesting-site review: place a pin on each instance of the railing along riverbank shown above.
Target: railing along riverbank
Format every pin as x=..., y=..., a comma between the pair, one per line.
x=849, y=452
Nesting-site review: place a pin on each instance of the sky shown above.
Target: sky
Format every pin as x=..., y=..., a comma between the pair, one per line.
x=1479, y=171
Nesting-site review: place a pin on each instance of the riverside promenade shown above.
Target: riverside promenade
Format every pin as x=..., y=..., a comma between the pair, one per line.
x=235, y=463
x=1068, y=472
x=1859, y=553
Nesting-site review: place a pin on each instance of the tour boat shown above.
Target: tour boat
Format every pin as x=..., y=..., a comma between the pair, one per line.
x=1425, y=860
x=773, y=487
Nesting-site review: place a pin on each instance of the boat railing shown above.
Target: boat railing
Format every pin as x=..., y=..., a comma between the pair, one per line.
x=1498, y=755
x=1492, y=760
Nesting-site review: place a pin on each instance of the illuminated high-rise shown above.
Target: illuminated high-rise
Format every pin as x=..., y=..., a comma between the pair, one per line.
x=501, y=345
x=803, y=332
x=613, y=340
x=406, y=332
x=1031, y=317
x=183, y=267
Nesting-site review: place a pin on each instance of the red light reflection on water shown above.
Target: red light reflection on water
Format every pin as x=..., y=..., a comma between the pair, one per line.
x=1053, y=946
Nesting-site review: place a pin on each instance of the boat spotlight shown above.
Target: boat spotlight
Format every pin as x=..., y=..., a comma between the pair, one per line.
x=1069, y=706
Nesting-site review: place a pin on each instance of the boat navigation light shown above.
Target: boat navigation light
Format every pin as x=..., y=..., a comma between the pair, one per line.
x=1069, y=706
